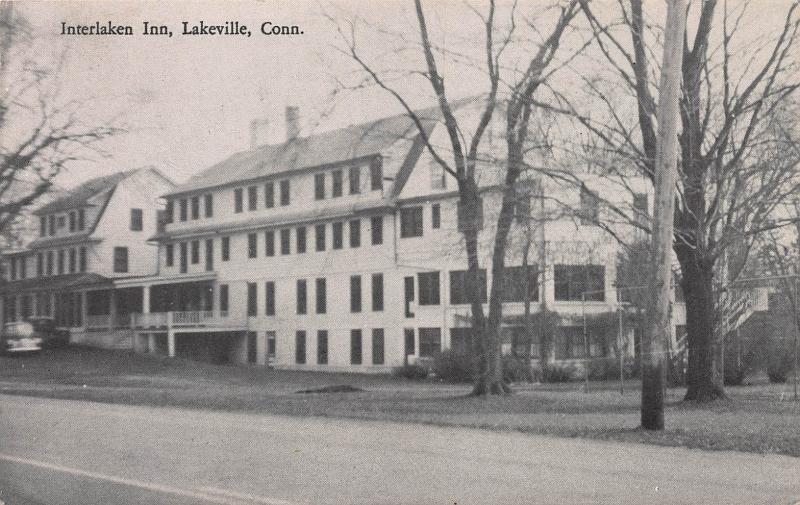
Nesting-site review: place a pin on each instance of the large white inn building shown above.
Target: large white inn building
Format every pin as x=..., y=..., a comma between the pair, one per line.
x=341, y=251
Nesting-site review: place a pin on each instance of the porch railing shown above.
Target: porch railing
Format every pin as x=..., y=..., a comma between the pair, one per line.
x=102, y=321
x=184, y=319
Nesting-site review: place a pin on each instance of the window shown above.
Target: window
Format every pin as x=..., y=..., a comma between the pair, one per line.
x=238, y=200
x=209, y=255
x=49, y=262
x=355, y=347
x=120, y=259
x=322, y=347
x=223, y=298
x=82, y=259
x=82, y=219
x=42, y=226
x=252, y=198
x=411, y=222
x=514, y=284
x=270, y=347
x=252, y=346
x=184, y=209
x=355, y=293
x=408, y=290
x=438, y=176
x=73, y=260
x=377, y=346
x=336, y=183
x=169, y=211
x=61, y=261
x=428, y=288
x=286, y=241
x=376, y=224
x=319, y=232
x=208, y=204
x=184, y=257
x=252, y=245
x=302, y=296
x=472, y=218
x=640, y=208
x=338, y=235
x=269, y=294
x=322, y=296
x=169, y=251
x=377, y=292
x=301, y=239
x=137, y=220
x=13, y=273
x=195, y=252
x=430, y=341
x=436, y=216
x=285, y=192
x=195, y=207
x=252, y=299
x=355, y=180
x=23, y=264
x=300, y=347
x=51, y=223
x=376, y=174
x=572, y=281
x=39, y=264
x=590, y=207
x=409, y=347
x=458, y=286
x=269, y=243
x=355, y=233
x=269, y=195
x=319, y=186
x=73, y=221
x=62, y=221
x=226, y=248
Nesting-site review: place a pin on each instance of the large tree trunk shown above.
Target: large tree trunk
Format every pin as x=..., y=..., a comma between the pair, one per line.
x=697, y=285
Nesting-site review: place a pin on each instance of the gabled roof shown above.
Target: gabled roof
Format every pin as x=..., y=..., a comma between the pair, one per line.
x=337, y=146
x=79, y=196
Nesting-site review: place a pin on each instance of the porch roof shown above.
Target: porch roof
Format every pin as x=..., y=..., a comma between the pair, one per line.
x=152, y=280
x=57, y=283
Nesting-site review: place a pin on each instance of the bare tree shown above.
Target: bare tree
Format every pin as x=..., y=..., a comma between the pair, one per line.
x=40, y=134
x=726, y=187
x=465, y=158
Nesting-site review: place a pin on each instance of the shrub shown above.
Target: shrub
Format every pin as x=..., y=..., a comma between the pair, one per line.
x=409, y=371
x=560, y=372
x=608, y=369
x=517, y=369
x=452, y=366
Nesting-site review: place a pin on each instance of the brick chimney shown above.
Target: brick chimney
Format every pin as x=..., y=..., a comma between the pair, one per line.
x=292, y=122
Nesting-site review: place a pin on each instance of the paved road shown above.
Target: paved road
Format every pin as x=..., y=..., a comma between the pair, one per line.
x=71, y=452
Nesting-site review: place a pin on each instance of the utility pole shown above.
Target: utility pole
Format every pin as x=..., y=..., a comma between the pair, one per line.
x=653, y=357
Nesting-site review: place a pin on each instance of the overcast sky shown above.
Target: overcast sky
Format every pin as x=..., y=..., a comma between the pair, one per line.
x=188, y=101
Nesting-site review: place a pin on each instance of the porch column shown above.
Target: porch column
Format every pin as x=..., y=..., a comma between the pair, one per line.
x=84, y=309
x=34, y=304
x=112, y=308
x=145, y=299
x=18, y=307
x=171, y=343
x=53, y=304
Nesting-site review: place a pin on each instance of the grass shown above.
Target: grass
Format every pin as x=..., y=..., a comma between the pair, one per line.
x=755, y=419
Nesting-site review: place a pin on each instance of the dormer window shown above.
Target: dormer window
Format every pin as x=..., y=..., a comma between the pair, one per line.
x=184, y=209
x=376, y=174
x=62, y=221
x=336, y=183
x=42, y=226
x=195, y=207
x=285, y=192
x=81, y=219
x=73, y=221
x=51, y=223
x=170, y=211
x=355, y=180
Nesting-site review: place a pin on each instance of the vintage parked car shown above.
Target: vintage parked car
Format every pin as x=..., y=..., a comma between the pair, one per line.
x=45, y=328
x=19, y=338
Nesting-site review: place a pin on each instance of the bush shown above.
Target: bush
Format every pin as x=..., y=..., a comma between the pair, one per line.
x=779, y=366
x=608, y=369
x=517, y=369
x=412, y=372
x=452, y=366
x=560, y=372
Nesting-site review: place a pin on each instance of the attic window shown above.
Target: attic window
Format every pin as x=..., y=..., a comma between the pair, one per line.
x=376, y=174
x=62, y=221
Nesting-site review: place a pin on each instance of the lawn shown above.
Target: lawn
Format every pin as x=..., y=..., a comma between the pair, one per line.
x=757, y=418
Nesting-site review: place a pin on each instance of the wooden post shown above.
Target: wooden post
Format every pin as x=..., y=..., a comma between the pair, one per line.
x=653, y=358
